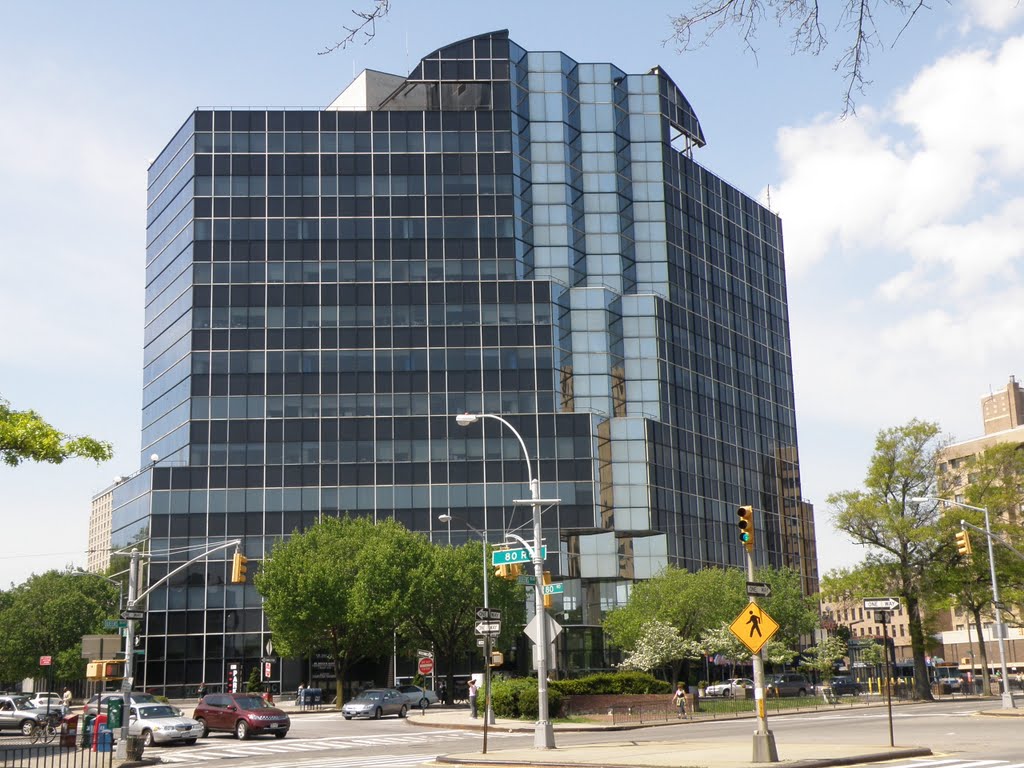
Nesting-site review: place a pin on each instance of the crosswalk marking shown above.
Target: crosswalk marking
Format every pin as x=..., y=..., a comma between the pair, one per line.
x=227, y=749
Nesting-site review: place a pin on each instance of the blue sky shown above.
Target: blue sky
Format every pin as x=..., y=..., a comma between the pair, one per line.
x=904, y=224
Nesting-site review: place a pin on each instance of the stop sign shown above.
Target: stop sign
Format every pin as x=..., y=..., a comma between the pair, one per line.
x=426, y=666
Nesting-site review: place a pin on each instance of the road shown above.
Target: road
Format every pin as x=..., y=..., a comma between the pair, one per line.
x=959, y=737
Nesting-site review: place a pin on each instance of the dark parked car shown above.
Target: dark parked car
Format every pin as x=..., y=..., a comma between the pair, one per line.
x=789, y=684
x=243, y=714
x=843, y=685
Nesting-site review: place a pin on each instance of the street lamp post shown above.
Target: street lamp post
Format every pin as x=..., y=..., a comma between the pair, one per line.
x=999, y=629
x=488, y=708
x=544, y=735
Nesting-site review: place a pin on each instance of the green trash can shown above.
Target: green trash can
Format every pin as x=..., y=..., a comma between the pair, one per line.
x=115, y=710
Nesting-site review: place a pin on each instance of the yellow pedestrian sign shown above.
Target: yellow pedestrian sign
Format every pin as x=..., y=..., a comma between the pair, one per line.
x=753, y=627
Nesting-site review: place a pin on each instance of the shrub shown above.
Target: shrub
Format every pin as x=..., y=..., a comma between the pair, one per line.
x=615, y=683
x=516, y=698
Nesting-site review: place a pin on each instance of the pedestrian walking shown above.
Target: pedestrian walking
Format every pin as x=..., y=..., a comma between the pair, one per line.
x=679, y=699
x=201, y=691
x=472, y=698
x=66, y=697
x=444, y=693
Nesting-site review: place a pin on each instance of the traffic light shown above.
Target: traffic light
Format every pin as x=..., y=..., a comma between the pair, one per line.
x=963, y=543
x=238, y=568
x=548, y=599
x=508, y=570
x=746, y=525
x=113, y=670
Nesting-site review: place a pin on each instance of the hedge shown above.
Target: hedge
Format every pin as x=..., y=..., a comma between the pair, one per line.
x=516, y=698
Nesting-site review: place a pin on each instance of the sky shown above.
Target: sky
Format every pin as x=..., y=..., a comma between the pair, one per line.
x=903, y=223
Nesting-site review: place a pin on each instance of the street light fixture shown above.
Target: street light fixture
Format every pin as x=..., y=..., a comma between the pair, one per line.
x=488, y=708
x=999, y=629
x=544, y=734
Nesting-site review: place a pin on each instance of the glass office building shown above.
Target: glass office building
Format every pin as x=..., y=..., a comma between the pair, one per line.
x=500, y=231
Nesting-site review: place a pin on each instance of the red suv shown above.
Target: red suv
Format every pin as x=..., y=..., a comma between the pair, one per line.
x=243, y=714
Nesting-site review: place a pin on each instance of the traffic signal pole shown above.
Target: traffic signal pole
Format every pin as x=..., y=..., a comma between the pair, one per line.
x=129, y=657
x=764, y=740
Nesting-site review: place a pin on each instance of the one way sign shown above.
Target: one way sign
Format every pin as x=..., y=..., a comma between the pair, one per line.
x=881, y=603
x=488, y=614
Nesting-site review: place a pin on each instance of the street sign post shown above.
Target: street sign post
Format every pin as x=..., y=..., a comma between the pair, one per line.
x=488, y=628
x=753, y=627
x=509, y=556
x=881, y=603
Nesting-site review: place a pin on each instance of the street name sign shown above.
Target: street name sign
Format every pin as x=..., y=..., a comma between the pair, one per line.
x=484, y=614
x=881, y=603
x=488, y=628
x=114, y=623
x=526, y=581
x=753, y=627
x=133, y=615
x=510, y=556
x=554, y=589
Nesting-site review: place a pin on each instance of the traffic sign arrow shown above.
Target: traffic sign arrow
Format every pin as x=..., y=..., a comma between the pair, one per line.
x=758, y=589
x=488, y=628
x=881, y=603
x=488, y=614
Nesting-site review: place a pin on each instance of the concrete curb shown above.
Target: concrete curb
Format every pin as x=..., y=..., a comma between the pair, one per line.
x=897, y=753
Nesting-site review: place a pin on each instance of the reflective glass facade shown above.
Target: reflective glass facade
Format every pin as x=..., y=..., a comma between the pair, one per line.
x=501, y=231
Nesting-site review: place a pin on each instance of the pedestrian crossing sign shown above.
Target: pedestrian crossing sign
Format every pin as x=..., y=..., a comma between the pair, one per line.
x=753, y=627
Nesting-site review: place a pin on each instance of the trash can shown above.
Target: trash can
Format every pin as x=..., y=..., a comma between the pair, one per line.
x=69, y=730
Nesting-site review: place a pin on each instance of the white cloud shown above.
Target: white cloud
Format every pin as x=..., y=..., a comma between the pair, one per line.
x=996, y=15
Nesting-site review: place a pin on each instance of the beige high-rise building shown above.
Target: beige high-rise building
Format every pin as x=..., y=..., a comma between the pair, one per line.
x=100, y=518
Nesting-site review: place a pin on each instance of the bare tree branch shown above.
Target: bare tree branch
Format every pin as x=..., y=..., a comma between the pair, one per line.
x=856, y=20
x=367, y=26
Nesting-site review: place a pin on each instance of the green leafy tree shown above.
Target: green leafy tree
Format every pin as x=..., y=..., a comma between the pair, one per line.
x=822, y=657
x=254, y=684
x=25, y=436
x=688, y=601
x=903, y=538
x=660, y=645
x=445, y=591
x=721, y=640
x=47, y=615
x=338, y=587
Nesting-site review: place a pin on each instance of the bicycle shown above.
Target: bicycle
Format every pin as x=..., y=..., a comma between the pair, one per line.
x=45, y=730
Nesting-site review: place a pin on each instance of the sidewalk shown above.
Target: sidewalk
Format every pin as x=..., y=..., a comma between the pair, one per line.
x=624, y=753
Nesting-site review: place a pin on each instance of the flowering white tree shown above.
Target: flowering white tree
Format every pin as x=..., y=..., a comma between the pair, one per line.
x=660, y=645
x=722, y=640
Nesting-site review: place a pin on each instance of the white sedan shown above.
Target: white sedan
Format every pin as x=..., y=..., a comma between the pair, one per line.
x=416, y=697
x=162, y=724
x=736, y=686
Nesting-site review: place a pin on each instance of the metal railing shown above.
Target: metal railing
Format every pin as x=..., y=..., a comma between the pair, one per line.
x=18, y=753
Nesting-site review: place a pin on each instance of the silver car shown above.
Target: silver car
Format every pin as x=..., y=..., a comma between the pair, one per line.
x=375, y=703
x=162, y=724
x=416, y=697
x=18, y=714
